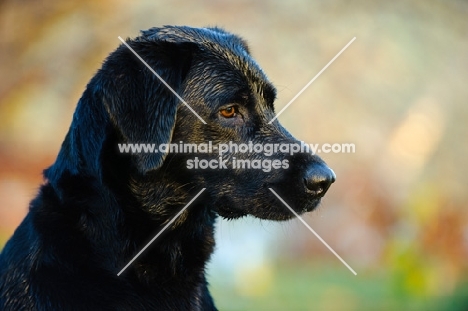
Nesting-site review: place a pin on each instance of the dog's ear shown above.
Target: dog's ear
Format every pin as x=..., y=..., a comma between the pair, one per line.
x=139, y=105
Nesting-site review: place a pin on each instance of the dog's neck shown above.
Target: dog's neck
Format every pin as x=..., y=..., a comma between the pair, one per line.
x=134, y=203
x=90, y=166
x=157, y=203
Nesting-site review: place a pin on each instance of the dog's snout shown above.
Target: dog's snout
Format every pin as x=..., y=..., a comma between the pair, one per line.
x=318, y=179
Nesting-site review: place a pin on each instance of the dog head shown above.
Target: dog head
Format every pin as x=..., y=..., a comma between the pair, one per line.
x=214, y=73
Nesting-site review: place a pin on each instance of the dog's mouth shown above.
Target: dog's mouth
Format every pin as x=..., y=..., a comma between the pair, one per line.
x=288, y=207
x=311, y=206
x=278, y=197
x=266, y=205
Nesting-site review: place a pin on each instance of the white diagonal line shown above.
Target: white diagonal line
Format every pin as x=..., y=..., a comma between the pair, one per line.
x=159, y=233
x=312, y=230
x=313, y=79
x=162, y=80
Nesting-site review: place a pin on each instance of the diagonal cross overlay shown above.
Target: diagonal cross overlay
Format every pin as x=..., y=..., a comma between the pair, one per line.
x=162, y=80
x=312, y=230
x=201, y=119
x=313, y=79
x=160, y=232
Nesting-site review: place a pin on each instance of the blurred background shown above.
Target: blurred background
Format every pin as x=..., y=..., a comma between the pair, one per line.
x=398, y=211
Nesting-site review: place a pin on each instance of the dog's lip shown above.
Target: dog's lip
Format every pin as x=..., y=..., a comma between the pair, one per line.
x=311, y=206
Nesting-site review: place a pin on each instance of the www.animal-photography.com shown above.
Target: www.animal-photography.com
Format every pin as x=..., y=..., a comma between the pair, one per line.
x=222, y=155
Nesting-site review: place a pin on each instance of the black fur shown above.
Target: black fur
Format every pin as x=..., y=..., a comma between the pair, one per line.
x=98, y=207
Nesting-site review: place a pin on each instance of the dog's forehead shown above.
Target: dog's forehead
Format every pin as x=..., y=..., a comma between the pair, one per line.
x=203, y=36
x=210, y=39
x=222, y=45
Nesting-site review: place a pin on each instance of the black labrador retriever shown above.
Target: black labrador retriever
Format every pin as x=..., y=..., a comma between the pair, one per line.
x=99, y=206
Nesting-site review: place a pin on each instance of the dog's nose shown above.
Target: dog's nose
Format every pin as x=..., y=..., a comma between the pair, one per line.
x=318, y=179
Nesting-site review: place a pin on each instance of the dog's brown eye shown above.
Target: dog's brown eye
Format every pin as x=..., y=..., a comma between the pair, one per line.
x=228, y=112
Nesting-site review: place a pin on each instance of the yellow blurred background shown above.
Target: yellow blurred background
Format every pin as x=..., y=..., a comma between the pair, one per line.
x=398, y=211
